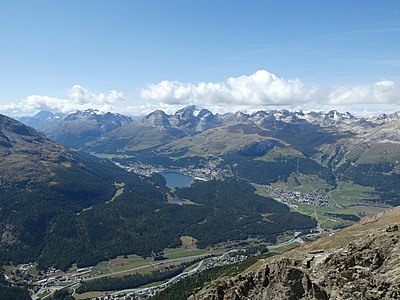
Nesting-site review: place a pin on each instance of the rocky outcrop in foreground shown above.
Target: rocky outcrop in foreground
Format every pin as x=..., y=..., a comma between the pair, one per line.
x=360, y=262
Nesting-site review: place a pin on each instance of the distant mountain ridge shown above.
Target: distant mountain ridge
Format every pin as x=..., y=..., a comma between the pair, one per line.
x=336, y=141
x=93, y=130
x=75, y=129
x=158, y=128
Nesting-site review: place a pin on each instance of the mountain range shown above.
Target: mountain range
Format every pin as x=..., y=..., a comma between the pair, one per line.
x=114, y=132
x=75, y=129
x=263, y=147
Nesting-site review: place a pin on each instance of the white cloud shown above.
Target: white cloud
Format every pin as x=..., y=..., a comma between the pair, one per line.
x=82, y=96
x=264, y=90
x=78, y=98
x=382, y=92
x=259, y=89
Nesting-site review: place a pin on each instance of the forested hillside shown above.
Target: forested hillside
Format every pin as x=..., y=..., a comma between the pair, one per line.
x=71, y=213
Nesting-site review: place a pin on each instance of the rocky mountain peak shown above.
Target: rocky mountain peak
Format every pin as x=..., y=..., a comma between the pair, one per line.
x=337, y=116
x=204, y=113
x=88, y=114
x=239, y=117
x=193, y=119
x=333, y=114
x=157, y=118
x=382, y=117
x=281, y=113
x=44, y=114
x=187, y=116
x=259, y=114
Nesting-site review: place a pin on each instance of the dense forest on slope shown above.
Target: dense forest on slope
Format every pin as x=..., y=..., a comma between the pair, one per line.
x=141, y=221
x=267, y=172
x=126, y=225
x=31, y=212
x=234, y=212
x=13, y=293
x=70, y=221
x=381, y=176
x=8, y=292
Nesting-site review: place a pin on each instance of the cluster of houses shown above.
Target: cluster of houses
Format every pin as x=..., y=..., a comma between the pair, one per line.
x=292, y=198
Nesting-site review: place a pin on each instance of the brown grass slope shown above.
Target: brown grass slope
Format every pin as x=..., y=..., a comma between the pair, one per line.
x=26, y=154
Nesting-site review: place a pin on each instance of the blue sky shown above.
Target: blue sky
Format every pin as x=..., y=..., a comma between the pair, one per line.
x=63, y=55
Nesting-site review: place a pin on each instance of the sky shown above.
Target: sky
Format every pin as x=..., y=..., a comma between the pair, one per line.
x=134, y=57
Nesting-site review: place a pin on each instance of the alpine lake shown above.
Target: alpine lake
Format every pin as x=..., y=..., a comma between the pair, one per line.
x=177, y=180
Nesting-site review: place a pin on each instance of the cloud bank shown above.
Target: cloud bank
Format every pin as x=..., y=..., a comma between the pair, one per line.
x=78, y=98
x=263, y=90
x=382, y=92
x=260, y=90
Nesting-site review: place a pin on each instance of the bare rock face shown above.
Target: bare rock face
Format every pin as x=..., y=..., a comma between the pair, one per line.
x=360, y=262
x=360, y=271
x=282, y=280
